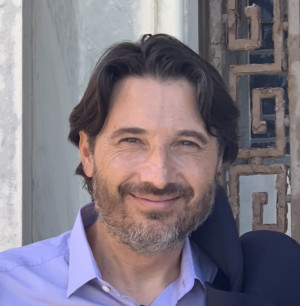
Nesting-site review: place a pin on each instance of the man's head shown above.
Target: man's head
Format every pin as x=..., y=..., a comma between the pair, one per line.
x=153, y=127
x=161, y=57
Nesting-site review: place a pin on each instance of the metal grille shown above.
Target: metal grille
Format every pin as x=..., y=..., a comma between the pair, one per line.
x=263, y=44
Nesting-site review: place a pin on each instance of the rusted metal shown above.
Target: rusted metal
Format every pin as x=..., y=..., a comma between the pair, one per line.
x=259, y=199
x=249, y=69
x=294, y=107
x=259, y=126
x=253, y=14
x=255, y=156
x=281, y=186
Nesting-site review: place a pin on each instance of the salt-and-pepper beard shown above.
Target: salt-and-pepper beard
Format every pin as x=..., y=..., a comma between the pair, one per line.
x=144, y=237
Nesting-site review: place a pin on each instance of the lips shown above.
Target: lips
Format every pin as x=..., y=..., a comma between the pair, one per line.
x=154, y=201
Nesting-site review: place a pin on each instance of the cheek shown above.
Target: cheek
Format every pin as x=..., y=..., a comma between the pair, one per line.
x=114, y=168
x=197, y=174
x=124, y=161
x=199, y=170
x=203, y=161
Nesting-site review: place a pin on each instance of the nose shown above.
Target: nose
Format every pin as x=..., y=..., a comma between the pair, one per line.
x=157, y=168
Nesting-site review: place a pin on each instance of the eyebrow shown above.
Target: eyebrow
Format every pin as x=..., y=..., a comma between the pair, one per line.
x=129, y=130
x=203, y=138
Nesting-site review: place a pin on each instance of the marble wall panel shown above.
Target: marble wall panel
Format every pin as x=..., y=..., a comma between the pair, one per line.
x=10, y=123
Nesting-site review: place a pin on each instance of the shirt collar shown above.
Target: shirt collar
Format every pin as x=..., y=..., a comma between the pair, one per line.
x=82, y=265
x=195, y=265
x=205, y=269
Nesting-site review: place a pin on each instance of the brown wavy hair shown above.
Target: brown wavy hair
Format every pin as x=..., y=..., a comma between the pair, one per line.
x=161, y=57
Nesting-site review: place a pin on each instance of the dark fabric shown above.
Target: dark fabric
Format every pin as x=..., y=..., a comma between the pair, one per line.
x=216, y=297
x=272, y=267
x=261, y=268
x=218, y=238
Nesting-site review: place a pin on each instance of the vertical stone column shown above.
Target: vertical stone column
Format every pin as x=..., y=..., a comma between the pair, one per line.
x=178, y=18
x=10, y=123
x=62, y=40
x=294, y=105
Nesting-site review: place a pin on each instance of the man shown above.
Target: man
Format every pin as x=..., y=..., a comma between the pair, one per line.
x=153, y=129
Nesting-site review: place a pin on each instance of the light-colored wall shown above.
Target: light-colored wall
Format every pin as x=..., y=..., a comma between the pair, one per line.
x=10, y=123
x=101, y=23
x=63, y=39
x=51, y=195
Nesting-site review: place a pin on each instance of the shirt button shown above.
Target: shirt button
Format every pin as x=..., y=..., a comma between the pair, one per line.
x=105, y=288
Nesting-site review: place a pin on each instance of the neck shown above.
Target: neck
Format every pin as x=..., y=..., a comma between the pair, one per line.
x=130, y=273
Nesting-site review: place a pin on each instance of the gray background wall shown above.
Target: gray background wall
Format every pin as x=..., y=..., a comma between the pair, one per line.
x=63, y=40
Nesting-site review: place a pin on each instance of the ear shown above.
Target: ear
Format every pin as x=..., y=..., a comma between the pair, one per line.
x=86, y=155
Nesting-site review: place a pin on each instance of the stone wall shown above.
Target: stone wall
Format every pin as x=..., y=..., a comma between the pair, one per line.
x=10, y=123
x=62, y=41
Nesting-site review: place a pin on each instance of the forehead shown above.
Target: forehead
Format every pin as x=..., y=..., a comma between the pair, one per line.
x=154, y=102
x=138, y=84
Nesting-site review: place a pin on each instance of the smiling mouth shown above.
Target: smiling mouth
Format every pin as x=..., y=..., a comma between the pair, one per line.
x=156, y=202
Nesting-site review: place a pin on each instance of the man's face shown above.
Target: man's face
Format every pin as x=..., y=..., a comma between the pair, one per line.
x=153, y=165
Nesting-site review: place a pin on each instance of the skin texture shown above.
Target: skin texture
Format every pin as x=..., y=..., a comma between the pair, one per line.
x=153, y=167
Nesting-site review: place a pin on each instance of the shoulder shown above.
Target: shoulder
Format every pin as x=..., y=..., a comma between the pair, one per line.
x=35, y=254
x=269, y=247
x=35, y=274
x=272, y=266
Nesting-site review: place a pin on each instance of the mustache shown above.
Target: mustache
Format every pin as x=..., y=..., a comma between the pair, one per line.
x=171, y=189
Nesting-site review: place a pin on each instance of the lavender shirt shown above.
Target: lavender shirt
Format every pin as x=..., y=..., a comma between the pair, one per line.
x=63, y=271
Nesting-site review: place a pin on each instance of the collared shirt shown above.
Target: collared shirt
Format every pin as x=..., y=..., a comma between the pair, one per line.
x=63, y=271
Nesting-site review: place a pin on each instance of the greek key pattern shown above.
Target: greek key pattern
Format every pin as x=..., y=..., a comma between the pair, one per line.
x=252, y=159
